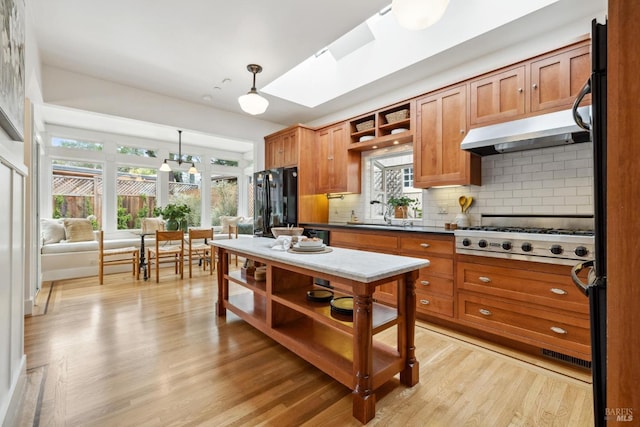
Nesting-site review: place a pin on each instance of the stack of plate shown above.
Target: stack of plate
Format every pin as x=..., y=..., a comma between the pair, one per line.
x=298, y=248
x=319, y=295
x=342, y=305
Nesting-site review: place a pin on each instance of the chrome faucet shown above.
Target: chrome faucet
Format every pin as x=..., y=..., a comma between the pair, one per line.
x=386, y=211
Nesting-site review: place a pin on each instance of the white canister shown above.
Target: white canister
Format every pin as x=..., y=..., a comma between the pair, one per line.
x=462, y=220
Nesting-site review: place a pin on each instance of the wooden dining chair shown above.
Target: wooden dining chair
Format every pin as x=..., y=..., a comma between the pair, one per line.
x=117, y=256
x=200, y=248
x=169, y=247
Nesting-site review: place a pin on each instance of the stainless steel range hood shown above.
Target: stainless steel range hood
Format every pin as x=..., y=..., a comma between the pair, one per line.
x=546, y=130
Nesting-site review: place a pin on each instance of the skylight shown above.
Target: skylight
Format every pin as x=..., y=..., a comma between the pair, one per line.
x=379, y=47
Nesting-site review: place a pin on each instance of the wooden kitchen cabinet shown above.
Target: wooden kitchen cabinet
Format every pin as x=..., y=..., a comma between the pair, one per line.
x=441, y=126
x=556, y=79
x=498, y=96
x=295, y=146
x=386, y=293
x=533, y=303
x=338, y=169
x=543, y=84
x=435, y=287
x=281, y=149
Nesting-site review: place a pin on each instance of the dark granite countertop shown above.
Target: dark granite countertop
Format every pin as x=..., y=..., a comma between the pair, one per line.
x=381, y=227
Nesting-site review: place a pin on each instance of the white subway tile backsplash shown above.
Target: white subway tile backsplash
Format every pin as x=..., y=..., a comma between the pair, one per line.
x=553, y=166
x=556, y=180
x=553, y=201
x=565, y=191
x=543, y=192
x=533, y=184
x=522, y=161
x=532, y=167
x=564, y=155
x=565, y=173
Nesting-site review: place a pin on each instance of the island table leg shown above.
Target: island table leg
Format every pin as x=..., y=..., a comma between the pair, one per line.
x=223, y=284
x=410, y=375
x=364, y=399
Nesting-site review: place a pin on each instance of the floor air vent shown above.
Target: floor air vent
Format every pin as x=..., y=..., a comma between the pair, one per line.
x=566, y=359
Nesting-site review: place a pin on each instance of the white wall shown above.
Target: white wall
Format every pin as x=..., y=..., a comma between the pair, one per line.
x=12, y=358
x=79, y=91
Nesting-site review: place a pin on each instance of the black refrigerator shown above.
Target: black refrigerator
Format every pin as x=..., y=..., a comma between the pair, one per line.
x=275, y=200
x=596, y=288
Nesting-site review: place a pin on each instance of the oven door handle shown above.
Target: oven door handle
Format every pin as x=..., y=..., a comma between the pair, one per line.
x=574, y=275
x=586, y=89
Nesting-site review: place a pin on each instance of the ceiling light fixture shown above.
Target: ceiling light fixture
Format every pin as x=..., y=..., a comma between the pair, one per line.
x=252, y=102
x=418, y=14
x=165, y=166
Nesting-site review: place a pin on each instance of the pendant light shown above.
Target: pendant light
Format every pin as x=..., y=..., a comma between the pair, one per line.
x=252, y=102
x=165, y=165
x=418, y=14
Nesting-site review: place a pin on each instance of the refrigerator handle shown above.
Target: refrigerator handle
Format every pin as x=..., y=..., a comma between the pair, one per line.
x=574, y=275
x=586, y=89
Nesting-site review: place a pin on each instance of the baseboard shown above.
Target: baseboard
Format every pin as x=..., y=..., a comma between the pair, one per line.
x=11, y=413
x=28, y=306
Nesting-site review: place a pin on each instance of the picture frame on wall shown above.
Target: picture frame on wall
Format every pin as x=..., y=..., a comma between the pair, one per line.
x=12, y=68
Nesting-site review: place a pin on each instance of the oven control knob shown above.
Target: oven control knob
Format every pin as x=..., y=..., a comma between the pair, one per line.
x=581, y=251
x=506, y=246
x=527, y=247
x=482, y=243
x=467, y=242
x=556, y=249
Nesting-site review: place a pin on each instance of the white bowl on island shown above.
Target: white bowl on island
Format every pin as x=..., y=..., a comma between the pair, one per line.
x=286, y=231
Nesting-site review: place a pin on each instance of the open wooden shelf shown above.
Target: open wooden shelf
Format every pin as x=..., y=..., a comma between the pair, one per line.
x=248, y=282
x=383, y=316
x=332, y=351
x=251, y=307
x=385, y=141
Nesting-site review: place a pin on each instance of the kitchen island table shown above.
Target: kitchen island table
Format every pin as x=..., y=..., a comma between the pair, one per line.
x=343, y=346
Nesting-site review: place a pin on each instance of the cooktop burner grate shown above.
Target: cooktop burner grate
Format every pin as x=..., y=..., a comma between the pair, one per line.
x=531, y=230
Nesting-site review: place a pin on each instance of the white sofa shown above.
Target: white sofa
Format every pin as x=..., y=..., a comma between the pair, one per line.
x=67, y=260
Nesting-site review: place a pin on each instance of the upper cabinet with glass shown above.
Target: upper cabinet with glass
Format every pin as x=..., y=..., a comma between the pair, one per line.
x=390, y=126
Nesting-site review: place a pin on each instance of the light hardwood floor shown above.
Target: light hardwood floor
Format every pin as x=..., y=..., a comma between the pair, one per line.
x=135, y=353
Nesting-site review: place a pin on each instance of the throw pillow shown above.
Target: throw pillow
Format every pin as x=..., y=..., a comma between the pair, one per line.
x=226, y=221
x=78, y=230
x=51, y=230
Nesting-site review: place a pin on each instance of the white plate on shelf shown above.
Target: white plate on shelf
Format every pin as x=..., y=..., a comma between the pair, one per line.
x=399, y=130
x=366, y=138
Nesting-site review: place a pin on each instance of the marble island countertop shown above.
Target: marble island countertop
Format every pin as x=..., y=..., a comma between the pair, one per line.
x=375, y=226
x=361, y=266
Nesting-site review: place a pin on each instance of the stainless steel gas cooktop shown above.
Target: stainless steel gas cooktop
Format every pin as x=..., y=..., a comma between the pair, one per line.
x=550, y=239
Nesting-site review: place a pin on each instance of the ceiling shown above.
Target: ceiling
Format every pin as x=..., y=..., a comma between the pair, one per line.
x=198, y=50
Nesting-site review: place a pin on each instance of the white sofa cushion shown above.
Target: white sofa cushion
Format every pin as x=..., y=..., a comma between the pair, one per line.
x=51, y=230
x=65, y=247
x=226, y=221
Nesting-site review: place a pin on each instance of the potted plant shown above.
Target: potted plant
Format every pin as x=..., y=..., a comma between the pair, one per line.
x=401, y=205
x=175, y=214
